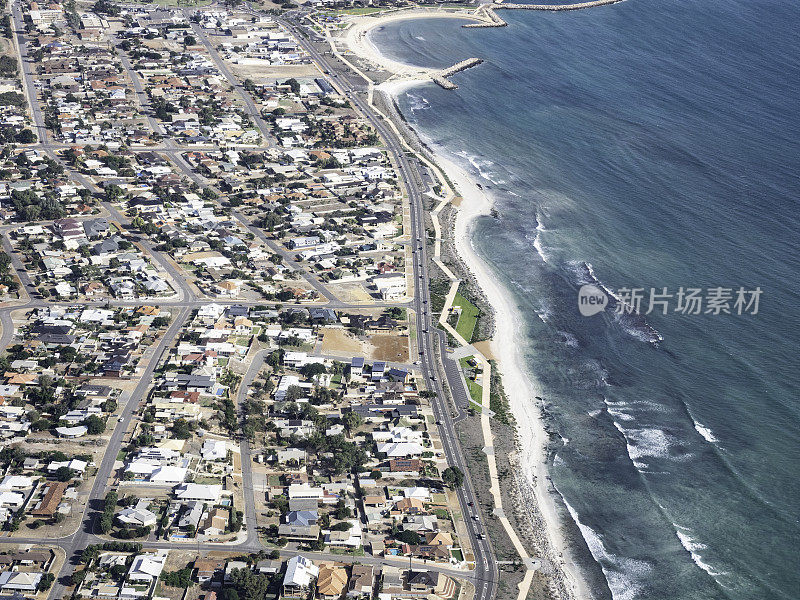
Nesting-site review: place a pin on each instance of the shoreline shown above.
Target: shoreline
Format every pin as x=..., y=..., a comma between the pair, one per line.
x=531, y=441
x=521, y=389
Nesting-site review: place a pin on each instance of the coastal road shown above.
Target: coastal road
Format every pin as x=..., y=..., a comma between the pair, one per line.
x=486, y=574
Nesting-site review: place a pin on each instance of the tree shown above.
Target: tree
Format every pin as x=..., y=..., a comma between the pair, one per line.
x=77, y=577
x=409, y=537
x=94, y=425
x=352, y=420
x=63, y=474
x=293, y=84
x=453, y=477
x=313, y=369
x=107, y=516
x=181, y=578
x=181, y=429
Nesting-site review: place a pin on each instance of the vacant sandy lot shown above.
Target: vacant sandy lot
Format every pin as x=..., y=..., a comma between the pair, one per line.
x=341, y=342
x=390, y=347
x=350, y=292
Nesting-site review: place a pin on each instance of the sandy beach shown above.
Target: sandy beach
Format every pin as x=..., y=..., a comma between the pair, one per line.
x=519, y=386
x=358, y=41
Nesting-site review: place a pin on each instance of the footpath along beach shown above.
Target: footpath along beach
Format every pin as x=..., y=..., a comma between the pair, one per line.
x=547, y=533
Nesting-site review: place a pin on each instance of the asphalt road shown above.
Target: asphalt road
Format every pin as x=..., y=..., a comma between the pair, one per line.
x=486, y=573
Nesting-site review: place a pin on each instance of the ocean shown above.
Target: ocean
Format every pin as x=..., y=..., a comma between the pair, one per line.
x=648, y=144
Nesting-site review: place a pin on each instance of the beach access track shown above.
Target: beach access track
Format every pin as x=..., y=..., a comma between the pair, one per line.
x=466, y=349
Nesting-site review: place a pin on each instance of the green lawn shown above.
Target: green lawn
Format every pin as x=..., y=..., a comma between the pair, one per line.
x=475, y=390
x=469, y=317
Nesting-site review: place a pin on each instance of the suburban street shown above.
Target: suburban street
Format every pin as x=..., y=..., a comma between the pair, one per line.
x=430, y=341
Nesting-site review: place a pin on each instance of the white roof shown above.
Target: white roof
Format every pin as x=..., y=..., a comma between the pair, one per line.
x=169, y=474
x=300, y=571
x=11, y=482
x=214, y=449
x=147, y=567
x=77, y=431
x=197, y=491
x=392, y=449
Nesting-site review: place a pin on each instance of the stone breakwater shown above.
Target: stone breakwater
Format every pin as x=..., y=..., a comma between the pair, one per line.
x=555, y=7
x=441, y=77
x=488, y=18
x=486, y=12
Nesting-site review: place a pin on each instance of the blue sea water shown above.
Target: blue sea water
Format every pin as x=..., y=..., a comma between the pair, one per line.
x=645, y=144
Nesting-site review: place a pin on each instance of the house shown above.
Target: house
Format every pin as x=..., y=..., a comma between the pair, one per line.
x=147, y=567
x=137, y=516
x=410, y=506
x=300, y=572
x=48, y=505
x=233, y=565
x=331, y=582
x=269, y=567
x=16, y=482
x=200, y=492
x=302, y=517
x=205, y=568
x=216, y=522
x=214, y=450
x=361, y=582
x=431, y=582
x=193, y=511
x=439, y=538
x=350, y=538
x=13, y=581
x=299, y=533
x=357, y=366
x=72, y=432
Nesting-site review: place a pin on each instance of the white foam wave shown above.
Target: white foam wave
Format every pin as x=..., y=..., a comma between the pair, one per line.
x=594, y=413
x=707, y=434
x=694, y=547
x=483, y=167
x=537, y=243
x=417, y=102
x=622, y=574
x=543, y=313
x=644, y=444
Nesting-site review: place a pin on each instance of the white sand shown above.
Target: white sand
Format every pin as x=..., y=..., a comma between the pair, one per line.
x=357, y=39
x=519, y=386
